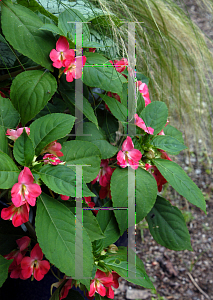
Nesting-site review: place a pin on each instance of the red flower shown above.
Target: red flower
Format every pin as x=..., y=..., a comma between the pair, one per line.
x=72, y=70
x=62, y=55
x=51, y=159
x=120, y=65
x=19, y=253
x=105, y=192
x=99, y=283
x=143, y=89
x=64, y=197
x=25, y=191
x=19, y=215
x=112, y=95
x=92, y=50
x=102, y=284
x=156, y=173
x=140, y=123
x=53, y=148
x=14, y=134
x=104, y=174
x=34, y=265
x=65, y=289
x=128, y=156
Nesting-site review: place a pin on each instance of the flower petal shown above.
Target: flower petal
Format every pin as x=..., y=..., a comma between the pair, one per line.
x=127, y=144
x=36, y=253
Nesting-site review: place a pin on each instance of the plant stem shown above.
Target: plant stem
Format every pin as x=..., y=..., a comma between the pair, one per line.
x=31, y=229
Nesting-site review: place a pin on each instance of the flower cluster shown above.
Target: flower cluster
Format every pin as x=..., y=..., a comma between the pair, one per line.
x=62, y=56
x=24, y=267
x=102, y=284
x=23, y=194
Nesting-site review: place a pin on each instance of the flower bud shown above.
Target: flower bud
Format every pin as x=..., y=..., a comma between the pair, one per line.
x=150, y=154
x=112, y=248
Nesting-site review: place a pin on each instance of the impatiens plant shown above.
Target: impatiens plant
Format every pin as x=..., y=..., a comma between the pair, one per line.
x=73, y=161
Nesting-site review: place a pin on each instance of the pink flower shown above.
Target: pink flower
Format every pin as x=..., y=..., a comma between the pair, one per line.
x=51, y=159
x=120, y=65
x=14, y=134
x=143, y=89
x=34, y=265
x=72, y=70
x=162, y=132
x=99, y=283
x=129, y=156
x=53, y=148
x=65, y=289
x=104, y=174
x=140, y=123
x=92, y=50
x=64, y=197
x=18, y=215
x=25, y=191
x=62, y=55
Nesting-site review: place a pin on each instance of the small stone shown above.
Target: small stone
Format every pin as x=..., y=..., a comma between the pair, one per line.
x=137, y=294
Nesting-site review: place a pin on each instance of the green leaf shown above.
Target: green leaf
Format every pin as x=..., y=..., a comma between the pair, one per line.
x=155, y=115
x=30, y=92
x=146, y=193
x=118, y=263
x=109, y=226
x=4, y=266
x=8, y=172
x=90, y=222
x=180, y=181
x=68, y=95
x=168, y=144
x=98, y=138
x=55, y=230
x=167, y=226
x=92, y=226
x=62, y=180
x=23, y=150
x=34, y=6
x=117, y=109
x=9, y=117
x=4, y=141
x=8, y=236
x=175, y=133
x=50, y=128
x=69, y=29
x=21, y=26
x=142, y=77
x=140, y=103
x=53, y=28
x=57, y=106
x=83, y=153
x=98, y=72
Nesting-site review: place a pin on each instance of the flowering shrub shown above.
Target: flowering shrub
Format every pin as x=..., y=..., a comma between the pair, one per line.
x=51, y=169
